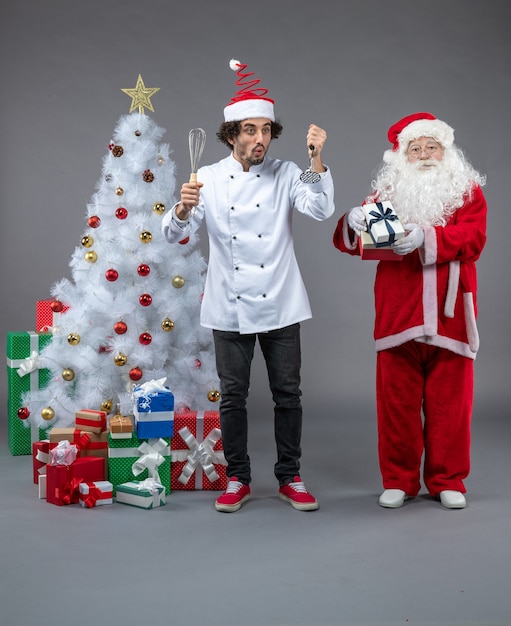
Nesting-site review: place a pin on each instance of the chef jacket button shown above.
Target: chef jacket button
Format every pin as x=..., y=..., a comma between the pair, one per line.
x=264, y=295
x=232, y=208
x=258, y=205
x=234, y=236
x=238, y=297
x=236, y=268
x=232, y=176
x=258, y=175
x=259, y=236
x=262, y=264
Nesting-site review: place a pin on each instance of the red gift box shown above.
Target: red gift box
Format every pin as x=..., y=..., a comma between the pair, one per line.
x=370, y=252
x=62, y=481
x=47, y=313
x=197, y=459
x=40, y=458
x=90, y=420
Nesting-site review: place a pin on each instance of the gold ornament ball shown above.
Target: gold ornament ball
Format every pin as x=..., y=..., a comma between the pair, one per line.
x=119, y=191
x=178, y=282
x=47, y=413
x=91, y=257
x=87, y=241
x=107, y=405
x=68, y=374
x=213, y=395
x=145, y=236
x=159, y=208
x=73, y=339
x=167, y=325
x=120, y=359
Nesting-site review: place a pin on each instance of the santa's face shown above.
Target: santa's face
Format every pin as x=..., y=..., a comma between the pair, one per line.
x=425, y=153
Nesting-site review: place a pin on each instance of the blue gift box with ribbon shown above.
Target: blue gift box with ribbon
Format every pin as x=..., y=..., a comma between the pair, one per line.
x=153, y=407
x=383, y=223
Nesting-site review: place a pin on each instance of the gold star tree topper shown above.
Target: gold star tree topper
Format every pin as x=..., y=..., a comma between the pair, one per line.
x=141, y=96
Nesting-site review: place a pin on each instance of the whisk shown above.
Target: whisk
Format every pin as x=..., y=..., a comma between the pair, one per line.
x=309, y=176
x=196, y=141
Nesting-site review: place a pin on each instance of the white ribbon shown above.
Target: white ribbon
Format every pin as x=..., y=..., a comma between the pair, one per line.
x=200, y=453
x=142, y=392
x=30, y=364
x=153, y=486
x=151, y=458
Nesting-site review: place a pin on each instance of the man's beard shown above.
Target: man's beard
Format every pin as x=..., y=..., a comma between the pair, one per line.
x=426, y=192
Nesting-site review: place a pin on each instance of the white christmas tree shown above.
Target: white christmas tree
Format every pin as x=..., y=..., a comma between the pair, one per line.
x=134, y=300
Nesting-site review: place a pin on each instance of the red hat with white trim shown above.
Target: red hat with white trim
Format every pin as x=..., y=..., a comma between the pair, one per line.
x=250, y=100
x=419, y=125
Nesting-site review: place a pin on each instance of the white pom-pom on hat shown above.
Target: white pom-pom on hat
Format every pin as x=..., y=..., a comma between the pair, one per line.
x=234, y=65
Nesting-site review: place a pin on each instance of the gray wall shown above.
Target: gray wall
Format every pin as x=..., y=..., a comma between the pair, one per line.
x=353, y=67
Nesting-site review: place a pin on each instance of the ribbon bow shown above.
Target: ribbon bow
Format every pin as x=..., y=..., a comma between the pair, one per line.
x=89, y=499
x=151, y=458
x=153, y=486
x=68, y=493
x=143, y=392
x=384, y=215
x=201, y=454
x=64, y=453
x=30, y=364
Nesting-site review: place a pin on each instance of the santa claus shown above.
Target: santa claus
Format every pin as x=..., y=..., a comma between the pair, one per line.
x=426, y=308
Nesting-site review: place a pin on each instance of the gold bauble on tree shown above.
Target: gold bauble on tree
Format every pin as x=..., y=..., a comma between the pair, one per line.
x=178, y=282
x=106, y=405
x=145, y=236
x=91, y=256
x=47, y=413
x=87, y=241
x=73, y=339
x=119, y=191
x=167, y=325
x=213, y=395
x=68, y=374
x=159, y=208
x=120, y=359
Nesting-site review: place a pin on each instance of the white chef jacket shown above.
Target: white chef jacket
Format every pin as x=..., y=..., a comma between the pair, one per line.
x=253, y=282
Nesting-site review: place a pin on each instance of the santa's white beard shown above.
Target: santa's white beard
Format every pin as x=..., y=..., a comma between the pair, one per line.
x=426, y=192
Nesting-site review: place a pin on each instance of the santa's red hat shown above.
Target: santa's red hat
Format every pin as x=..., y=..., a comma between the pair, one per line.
x=419, y=125
x=249, y=100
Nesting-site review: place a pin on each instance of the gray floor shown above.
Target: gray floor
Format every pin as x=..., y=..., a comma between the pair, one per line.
x=350, y=563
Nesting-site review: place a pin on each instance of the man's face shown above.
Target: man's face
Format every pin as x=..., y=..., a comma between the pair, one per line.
x=425, y=152
x=251, y=145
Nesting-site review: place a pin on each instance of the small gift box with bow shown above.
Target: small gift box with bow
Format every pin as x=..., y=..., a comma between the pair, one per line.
x=198, y=460
x=134, y=458
x=96, y=493
x=145, y=494
x=88, y=444
x=383, y=224
x=24, y=374
x=153, y=407
x=121, y=427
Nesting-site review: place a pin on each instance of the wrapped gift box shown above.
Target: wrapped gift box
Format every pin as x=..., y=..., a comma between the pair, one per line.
x=121, y=427
x=94, y=494
x=383, y=223
x=89, y=444
x=41, y=486
x=146, y=494
x=138, y=459
x=47, y=314
x=369, y=251
x=23, y=375
x=197, y=458
x=40, y=458
x=154, y=410
x=62, y=481
x=90, y=420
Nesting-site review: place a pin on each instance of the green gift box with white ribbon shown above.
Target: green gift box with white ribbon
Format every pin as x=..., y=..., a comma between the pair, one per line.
x=138, y=459
x=23, y=375
x=145, y=494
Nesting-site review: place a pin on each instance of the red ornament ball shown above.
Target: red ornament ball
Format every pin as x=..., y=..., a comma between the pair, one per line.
x=136, y=373
x=143, y=269
x=23, y=413
x=145, y=299
x=111, y=275
x=94, y=221
x=56, y=306
x=121, y=213
x=120, y=328
x=145, y=339
x=198, y=364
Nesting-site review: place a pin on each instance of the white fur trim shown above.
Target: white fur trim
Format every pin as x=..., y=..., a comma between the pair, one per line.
x=234, y=65
x=437, y=129
x=243, y=109
x=452, y=288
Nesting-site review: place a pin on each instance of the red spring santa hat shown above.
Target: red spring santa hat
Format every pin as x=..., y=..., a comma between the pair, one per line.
x=419, y=125
x=250, y=100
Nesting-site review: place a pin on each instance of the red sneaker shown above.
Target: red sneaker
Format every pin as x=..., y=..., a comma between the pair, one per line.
x=233, y=497
x=297, y=495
